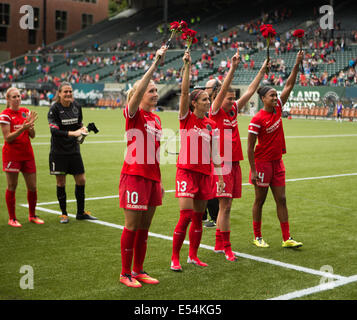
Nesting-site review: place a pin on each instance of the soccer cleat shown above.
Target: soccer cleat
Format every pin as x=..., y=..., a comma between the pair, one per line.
x=36, y=220
x=210, y=224
x=218, y=249
x=197, y=262
x=291, y=243
x=129, y=281
x=259, y=242
x=230, y=256
x=175, y=266
x=64, y=219
x=144, y=277
x=85, y=216
x=14, y=223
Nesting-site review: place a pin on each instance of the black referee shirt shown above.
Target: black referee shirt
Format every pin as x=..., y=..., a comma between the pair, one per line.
x=61, y=120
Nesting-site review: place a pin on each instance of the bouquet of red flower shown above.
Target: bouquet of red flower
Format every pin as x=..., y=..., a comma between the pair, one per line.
x=299, y=34
x=190, y=36
x=176, y=28
x=268, y=32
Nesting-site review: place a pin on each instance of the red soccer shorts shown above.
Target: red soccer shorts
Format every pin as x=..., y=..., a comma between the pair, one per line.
x=26, y=166
x=270, y=173
x=195, y=185
x=139, y=193
x=232, y=182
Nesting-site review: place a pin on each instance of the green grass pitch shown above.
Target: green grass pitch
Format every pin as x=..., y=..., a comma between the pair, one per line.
x=81, y=260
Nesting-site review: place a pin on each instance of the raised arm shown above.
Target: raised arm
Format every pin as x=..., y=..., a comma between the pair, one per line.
x=216, y=104
x=252, y=87
x=185, y=85
x=139, y=92
x=292, y=78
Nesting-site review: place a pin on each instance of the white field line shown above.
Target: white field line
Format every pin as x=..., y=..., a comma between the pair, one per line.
x=322, y=287
x=242, y=138
x=243, y=255
x=296, y=294
x=244, y=184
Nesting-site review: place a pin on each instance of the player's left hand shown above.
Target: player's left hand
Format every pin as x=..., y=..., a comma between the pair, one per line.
x=220, y=186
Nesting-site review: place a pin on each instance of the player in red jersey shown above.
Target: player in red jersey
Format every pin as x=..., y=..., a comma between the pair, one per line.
x=224, y=111
x=266, y=164
x=17, y=125
x=195, y=172
x=140, y=187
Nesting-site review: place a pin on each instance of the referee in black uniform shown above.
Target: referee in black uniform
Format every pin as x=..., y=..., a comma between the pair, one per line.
x=65, y=121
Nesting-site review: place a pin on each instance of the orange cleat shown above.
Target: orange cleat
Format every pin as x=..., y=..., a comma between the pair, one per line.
x=129, y=281
x=14, y=223
x=36, y=220
x=144, y=277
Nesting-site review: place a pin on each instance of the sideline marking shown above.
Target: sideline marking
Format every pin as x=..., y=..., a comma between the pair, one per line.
x=316, y=289
x=242, y=138
x=239, y=254
x=243, y=184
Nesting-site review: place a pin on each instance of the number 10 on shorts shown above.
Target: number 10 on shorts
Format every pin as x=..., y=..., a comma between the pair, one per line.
x=132, y=197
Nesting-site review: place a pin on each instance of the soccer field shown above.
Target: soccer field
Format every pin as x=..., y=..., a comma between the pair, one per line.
x=81, y=260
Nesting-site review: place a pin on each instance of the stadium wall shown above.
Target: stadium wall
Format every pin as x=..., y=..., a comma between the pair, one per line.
x=17, y=39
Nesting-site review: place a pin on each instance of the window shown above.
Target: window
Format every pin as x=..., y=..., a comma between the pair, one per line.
x=4, y=14
x=36, y=14
x=87, y=20
x=61, y=21
x=3, y=34
x=60, y=35
x=32, y=36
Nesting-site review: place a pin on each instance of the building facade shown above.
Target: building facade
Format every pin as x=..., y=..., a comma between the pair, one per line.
x=28, y=24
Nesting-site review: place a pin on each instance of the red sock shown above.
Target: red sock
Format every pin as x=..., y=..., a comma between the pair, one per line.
x=226, y=240
x=32, y=200
x=285, y=230
x=257, y=226
x=10, y=202
x=219, y=240
x=140, y=246
x=180, y=232
x=195, y=233
x=127, y=248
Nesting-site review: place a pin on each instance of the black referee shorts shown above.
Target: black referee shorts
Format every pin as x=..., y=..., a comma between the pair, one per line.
x=66, y=164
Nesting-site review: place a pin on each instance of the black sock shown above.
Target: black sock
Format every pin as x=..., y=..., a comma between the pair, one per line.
x=62, y=199
x=79, y=192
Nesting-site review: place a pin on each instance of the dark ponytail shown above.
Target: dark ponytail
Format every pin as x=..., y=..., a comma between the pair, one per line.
x=262, y=91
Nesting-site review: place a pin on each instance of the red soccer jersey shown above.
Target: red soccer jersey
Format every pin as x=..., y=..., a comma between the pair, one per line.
x=228, y=128
x=268, y=126
x=143, y=148
x=196, y=143
x=20, y=149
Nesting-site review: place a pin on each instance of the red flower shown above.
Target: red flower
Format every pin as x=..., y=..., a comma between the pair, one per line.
x=190, y=36
x=174, y=26
x=299, y=33
x=267, y=31
x=183, y=25
x=190, y=33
